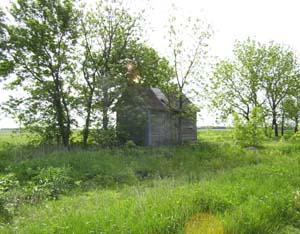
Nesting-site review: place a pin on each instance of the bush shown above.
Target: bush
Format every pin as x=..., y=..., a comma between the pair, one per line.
x=251, y=132
x=105, y=138
x=295, y=137
x=130, y=144
x=50, y=183
x=7, y=183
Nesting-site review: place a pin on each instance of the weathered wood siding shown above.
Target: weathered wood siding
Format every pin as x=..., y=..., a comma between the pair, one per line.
x=159, y=128
x=163, y=128
x=189, y=128
x=154, y=127
x=144, y=117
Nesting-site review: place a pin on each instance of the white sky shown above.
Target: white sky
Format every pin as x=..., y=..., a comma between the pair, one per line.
x=263, y=20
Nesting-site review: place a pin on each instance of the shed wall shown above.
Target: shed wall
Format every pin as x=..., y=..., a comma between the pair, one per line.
x=189, y=128
x=160, y=127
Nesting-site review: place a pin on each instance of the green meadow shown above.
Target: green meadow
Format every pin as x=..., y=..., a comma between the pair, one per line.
x=138, y=190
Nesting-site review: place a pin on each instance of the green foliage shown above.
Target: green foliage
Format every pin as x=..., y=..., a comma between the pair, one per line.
x=295, y=137
x=157, y=190
x=235, y=83
x=51, y=182
x=132, y=116
x=152, y=69
x=2, y=34
x=40, y=41
x=6, y=65
x=108, y=31
x=249, y=133
x=259, y=72
x=107, y=138
x=7, y=183
x=130, y=144
x=280, y=78
x=290, y=109
x=70, y=62
x=44, y=184
x=251, y=199
x=111, y=41
x=188, y=58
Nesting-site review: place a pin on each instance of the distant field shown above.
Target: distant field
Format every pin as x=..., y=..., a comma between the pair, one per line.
x=215, y=135
x=6, y=132
x=213, y=186
x=13, y=137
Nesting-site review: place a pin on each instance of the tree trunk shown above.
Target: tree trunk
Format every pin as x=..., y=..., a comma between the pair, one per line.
x=282, y=124
x=296, y=124
x=66, y=137
x=247, y=114
x=63, y=123
x=86, y=130
x=274, y=123
x=105, y=119
x=180, y=138
x=67, y=121
x=58, y=139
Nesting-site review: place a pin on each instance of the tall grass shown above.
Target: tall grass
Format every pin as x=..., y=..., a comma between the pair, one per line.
x=258, y=199
x=158, y=190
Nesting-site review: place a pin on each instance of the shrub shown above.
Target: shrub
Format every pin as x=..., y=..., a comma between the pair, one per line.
x=105, y=138
x=7, y=183
x=130, y=144
x=295, y=137
x=251, y=132
x=50, y=183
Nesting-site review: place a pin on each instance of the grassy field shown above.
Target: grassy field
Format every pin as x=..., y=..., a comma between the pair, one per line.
x=213, y=186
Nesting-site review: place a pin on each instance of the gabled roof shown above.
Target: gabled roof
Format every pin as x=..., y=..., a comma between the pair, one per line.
x=154, y=98
x=160, y=96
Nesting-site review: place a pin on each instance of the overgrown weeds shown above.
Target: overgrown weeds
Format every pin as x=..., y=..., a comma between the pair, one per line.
x=155, y=190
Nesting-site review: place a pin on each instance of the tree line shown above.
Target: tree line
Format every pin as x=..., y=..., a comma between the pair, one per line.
x=67, y=60
x=263, y=76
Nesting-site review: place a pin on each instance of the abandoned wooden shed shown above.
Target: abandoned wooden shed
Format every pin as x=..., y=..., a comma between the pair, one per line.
x=147, y=117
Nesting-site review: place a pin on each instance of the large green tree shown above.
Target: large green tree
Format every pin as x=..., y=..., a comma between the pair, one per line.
x=291, y=110
x=280, y=78
x=111, y=42
x=107, y=30
x=152, y=69
x=2, y=34
x=5, y=64
x=41, y=40
x=259, y=75
x=235, y=85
